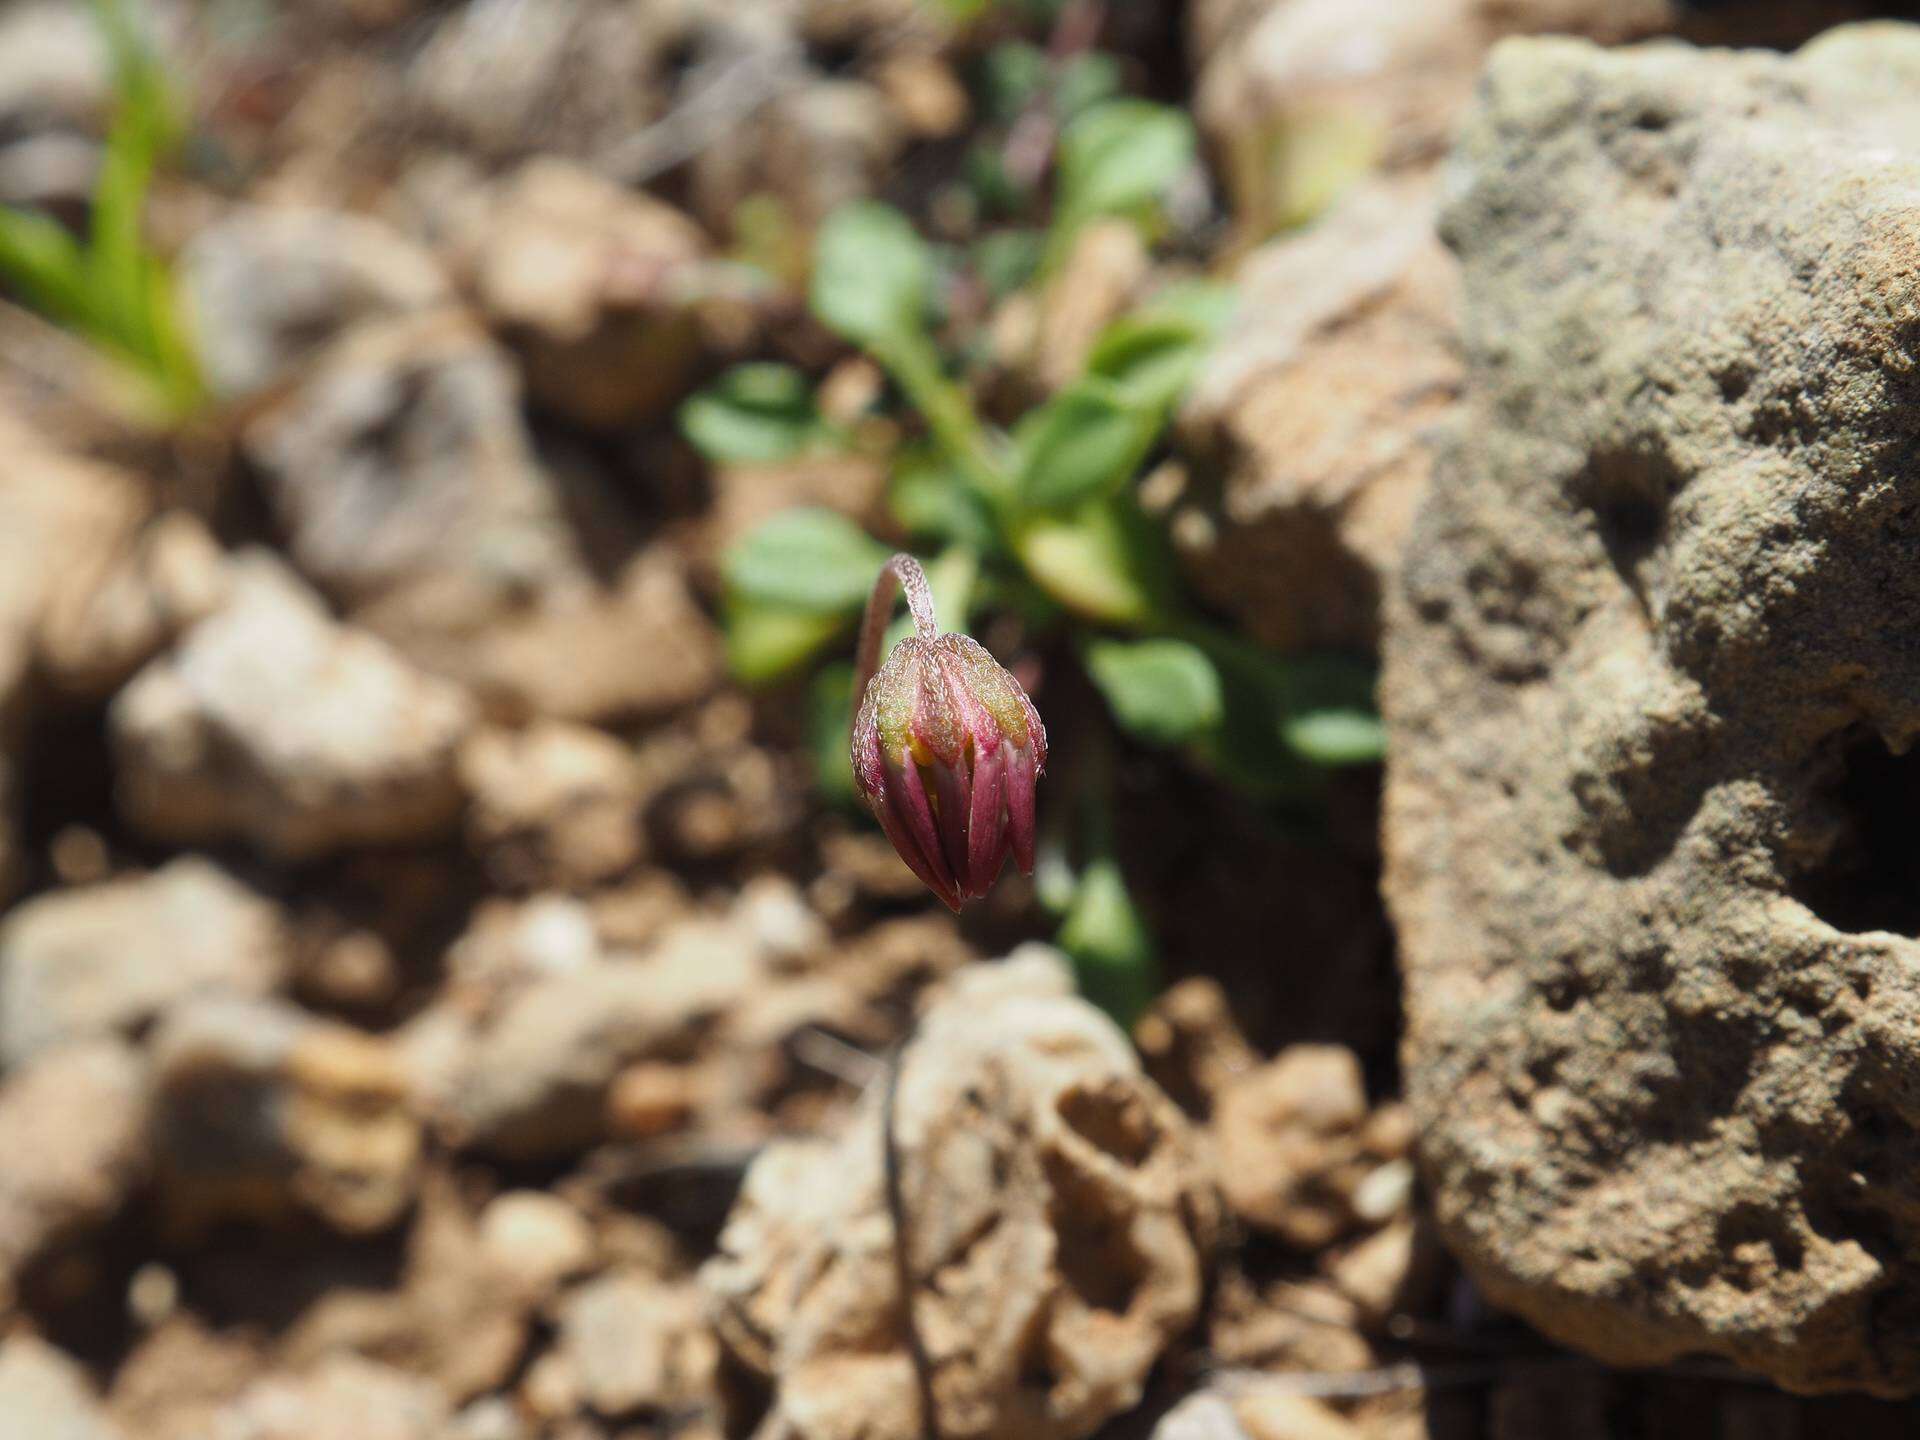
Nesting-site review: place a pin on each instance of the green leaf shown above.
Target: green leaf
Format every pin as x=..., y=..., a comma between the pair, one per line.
x=1095, y=560
x=120, y=267
x=753, y=415
x=829, y=720
x=871, y=274
x=1152, y=354
x=1122, y=155
x=809, y=560
x=1336, y=737
x=41, y=260
x=1288, y=718
x=1315, y=155
x=1006, y=260
x=768, y=642
x=930, y=496
x=1085, y=80
x=1112, y=952
x=1166, y=692
x=1085, y=442
x=1011, y=74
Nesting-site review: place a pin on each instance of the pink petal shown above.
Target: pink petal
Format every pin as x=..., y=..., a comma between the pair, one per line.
x=984, y=851
x=908, y=797
x=950, y=787
x=909, y=852
x=1021, y=776
x=869, y=774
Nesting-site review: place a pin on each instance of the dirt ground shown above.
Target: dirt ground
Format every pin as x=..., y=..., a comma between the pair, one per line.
x=433, y=985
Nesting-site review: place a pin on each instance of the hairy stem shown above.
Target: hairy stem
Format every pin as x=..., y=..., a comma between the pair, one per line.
x=902, y=573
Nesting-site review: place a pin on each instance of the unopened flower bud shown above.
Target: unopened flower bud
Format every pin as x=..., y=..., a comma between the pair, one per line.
x=946, y=750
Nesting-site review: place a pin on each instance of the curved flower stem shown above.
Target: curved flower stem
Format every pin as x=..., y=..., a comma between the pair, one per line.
x=902, y=572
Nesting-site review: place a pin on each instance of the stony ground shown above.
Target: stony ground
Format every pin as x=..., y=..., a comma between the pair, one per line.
x=436, y=1001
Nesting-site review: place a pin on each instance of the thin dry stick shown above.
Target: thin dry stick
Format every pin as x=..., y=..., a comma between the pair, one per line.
x=831, y=1055
x=897, y=1212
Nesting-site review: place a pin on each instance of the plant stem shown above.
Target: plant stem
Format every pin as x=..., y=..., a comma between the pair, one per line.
x=915, y=365
x=900, y=573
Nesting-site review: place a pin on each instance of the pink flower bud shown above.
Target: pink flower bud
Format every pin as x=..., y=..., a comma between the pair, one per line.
x=946, y=752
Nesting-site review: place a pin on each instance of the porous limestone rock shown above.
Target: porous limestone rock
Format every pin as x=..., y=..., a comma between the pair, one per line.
x=1650, y=678
x=96, y=959
x=275, y=724
x=1058, y=1220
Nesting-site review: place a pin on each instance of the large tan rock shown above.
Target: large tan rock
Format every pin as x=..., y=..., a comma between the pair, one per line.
x=274, y=724
x=1058, y=1221
x=1650, y=679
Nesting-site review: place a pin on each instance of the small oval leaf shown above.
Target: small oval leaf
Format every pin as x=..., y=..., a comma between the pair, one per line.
x=1166, y=692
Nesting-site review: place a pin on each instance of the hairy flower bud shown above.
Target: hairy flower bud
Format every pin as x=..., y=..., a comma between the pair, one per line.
x=946, y=752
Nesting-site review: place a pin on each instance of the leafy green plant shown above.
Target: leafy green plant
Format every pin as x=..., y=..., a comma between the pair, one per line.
x=110, y=286
x=1038, y=520
x=756, y=415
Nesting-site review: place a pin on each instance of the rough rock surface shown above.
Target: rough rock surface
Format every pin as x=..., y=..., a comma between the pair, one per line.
x=80, y=1113
x=635, y=1343
x=539, y=1071
x=275, y=724
x=594, y=285
x=93, y=960
x=45, y=1396
x=1649, y=679
x=1299, y=1151
x=1058, y=1225
x=406, y=480
x=263, y=1112
x=1317, y=411
x=344, y=1398
x=553, y=804
x=268, y=286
